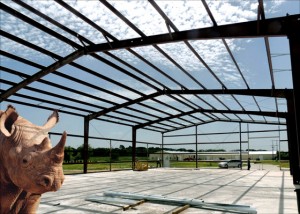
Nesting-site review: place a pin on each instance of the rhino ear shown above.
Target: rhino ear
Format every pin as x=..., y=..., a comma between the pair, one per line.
x=7, y=120
x=52, y=120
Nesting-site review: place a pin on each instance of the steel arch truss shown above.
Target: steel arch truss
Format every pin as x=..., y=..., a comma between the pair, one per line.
x=165, y=103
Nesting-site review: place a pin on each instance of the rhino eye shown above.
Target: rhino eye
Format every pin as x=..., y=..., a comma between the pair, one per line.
x=26, y=160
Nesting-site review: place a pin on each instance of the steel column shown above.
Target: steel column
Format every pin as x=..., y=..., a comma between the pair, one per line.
x=293, y=147
x=162, y=150
x=240, y=124
x=109, y=155
x=248, y=140
x=279, y=142
x=134, y=129
x=147, y=152
x=290, y=132
x=196, y=146
x=86, y=143
x=294, y=41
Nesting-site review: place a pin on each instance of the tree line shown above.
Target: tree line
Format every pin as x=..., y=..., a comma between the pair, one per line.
x=75, y=154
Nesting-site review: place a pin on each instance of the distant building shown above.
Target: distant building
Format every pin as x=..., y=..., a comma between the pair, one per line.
x=180, y=156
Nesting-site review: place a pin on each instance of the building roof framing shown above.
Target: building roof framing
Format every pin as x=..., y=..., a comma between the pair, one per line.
x=138, y=112
x=91, y=75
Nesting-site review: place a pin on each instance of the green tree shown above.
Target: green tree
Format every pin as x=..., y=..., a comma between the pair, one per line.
x=69, y=153
x=101, y=152
x=123, y=151
x=80, y=152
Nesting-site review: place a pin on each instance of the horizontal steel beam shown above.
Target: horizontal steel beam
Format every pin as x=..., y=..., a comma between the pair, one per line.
x=226, y=133
x=254, y=122
x=253, y=29
x=51, y=68
x=233, y=121
x=221, y=142
x=104, y=138
x=280, y=93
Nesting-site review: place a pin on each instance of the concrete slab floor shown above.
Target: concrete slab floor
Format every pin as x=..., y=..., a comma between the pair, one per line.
x=268, y=191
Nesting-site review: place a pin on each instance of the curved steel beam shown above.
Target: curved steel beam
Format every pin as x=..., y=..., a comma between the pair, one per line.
x=260, y=113
x=281, y=93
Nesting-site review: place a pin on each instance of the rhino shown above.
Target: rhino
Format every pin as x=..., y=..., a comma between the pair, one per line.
x=29, y=165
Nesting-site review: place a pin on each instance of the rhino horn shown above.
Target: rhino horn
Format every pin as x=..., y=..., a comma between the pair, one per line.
x=57, y=152
x=7, y=120
x=44, y=145
x=52, y=120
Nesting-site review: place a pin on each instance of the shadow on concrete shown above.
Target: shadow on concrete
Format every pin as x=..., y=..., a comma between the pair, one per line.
x=281, y=200
x=253, y=185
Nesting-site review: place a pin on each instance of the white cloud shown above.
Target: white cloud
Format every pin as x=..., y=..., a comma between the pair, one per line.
x=273, y=6
x=226, y=12
x=184, y=14
x=26, y=32
x=142, y=15
x=105, y=19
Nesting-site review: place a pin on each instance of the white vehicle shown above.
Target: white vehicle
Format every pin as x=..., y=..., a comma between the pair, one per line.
x=230, y=163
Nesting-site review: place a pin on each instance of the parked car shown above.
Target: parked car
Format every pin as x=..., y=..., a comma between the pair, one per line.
x=230, y=163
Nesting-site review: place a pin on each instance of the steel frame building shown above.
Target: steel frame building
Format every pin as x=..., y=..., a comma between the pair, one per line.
x=125, y=112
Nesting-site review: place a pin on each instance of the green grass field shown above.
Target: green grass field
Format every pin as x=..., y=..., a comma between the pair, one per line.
x=97, y=164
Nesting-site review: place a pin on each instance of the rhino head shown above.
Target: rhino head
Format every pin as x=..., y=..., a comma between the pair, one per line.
x=30, y=161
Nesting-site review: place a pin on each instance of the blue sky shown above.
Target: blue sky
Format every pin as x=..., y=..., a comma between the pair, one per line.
x=250, y=55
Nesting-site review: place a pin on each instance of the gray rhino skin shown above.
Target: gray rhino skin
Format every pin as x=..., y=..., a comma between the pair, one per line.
x=29, y=166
